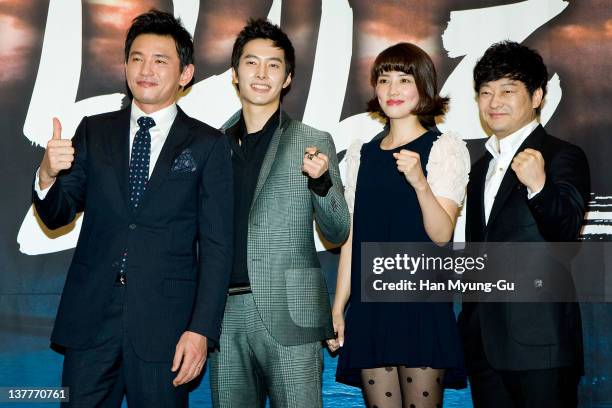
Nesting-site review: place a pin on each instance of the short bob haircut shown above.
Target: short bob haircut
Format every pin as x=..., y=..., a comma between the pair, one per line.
x=509, y=59
x=410, y=59
x=165, y=24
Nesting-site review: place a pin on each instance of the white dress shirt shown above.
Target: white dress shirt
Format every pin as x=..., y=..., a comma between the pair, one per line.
x=164, y=118
x=503, y=151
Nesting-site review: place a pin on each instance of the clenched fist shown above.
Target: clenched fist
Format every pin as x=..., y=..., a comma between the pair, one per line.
x=529, y=168
x=59, y=156
x=315, y=163
x=409, y=163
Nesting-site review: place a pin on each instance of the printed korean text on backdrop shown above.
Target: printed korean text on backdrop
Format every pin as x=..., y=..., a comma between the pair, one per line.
x=57, y=83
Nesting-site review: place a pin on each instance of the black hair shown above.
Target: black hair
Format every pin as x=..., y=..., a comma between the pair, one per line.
x=162, y=23
x=410, y=59
x=509, y=59
x=263, y=29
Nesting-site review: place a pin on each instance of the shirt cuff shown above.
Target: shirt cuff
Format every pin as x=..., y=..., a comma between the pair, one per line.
x=531, y=194
x=41, y=193
x=320, y=186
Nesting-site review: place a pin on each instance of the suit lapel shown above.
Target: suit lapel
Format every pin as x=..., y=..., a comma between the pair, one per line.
x=266, y=166
x=510, y=181
x=119, y=141
x=178, y=137
x=231, y=121
x=476, y=221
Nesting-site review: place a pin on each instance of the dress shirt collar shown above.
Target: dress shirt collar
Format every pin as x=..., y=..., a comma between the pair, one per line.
x=243, y=143
x=163, y=118
x=509, y=144
x=272, y=123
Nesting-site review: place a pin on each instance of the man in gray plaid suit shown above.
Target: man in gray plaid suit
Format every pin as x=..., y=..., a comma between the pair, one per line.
x=286, y=175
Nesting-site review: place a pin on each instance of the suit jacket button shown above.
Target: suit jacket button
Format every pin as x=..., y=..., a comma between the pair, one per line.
x=132, y=226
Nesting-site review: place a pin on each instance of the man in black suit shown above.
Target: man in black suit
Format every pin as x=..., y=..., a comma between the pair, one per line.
x=147, y=285
x=528, y=187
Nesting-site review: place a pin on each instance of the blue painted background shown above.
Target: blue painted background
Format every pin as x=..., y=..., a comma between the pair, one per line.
x=27, y=361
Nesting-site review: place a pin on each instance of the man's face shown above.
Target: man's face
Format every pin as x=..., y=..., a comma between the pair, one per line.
x=506, y=106
x=261, y=74
x=153, y=72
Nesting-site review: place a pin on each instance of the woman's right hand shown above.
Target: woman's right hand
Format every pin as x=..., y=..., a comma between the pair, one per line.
x=338, y=340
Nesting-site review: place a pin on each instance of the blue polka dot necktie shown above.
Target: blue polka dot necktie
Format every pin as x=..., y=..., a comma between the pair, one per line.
x=139, y=160
x=139, y=175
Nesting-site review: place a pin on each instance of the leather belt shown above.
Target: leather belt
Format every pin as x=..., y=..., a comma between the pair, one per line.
x=121, y=279
x=240, y=290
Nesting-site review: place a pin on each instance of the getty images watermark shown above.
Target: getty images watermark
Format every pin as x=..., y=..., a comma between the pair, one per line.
x=486, y=272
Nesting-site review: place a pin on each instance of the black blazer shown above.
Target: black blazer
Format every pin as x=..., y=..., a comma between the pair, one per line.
x=179, y=240
x=522, y=336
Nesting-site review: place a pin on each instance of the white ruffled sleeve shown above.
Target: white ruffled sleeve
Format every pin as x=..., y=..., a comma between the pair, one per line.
x=448, y=167
x=353, y=159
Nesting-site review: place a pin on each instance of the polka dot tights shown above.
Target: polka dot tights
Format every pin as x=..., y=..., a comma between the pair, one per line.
x=403, y=387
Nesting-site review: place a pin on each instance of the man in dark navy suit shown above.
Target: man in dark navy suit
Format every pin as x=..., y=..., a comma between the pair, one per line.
x=147, y=285
x=528, y=187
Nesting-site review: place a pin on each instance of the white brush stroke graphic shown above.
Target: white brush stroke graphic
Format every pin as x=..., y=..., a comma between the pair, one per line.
x=54, y=94
x=493, y=24
x=214, y=99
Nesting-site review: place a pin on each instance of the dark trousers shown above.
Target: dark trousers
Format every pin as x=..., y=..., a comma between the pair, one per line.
x=100, y=376
x=554, y=388
x=548, y=388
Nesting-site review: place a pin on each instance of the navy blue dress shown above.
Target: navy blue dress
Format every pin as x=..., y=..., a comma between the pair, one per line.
x=394, y=334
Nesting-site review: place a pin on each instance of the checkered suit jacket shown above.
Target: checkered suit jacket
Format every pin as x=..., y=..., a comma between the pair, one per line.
x=285, y=274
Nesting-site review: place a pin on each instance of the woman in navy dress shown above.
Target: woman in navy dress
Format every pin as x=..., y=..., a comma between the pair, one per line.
x=406, y=185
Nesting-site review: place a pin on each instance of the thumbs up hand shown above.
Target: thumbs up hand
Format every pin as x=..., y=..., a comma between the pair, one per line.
x=59, y=156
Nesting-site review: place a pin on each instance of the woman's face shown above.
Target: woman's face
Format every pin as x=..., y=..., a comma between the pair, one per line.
x=397, y=94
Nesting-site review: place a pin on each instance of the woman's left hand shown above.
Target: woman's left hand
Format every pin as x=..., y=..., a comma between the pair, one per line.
x=409, y=163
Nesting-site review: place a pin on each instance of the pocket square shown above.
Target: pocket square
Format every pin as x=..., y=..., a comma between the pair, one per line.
x=184, y=163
